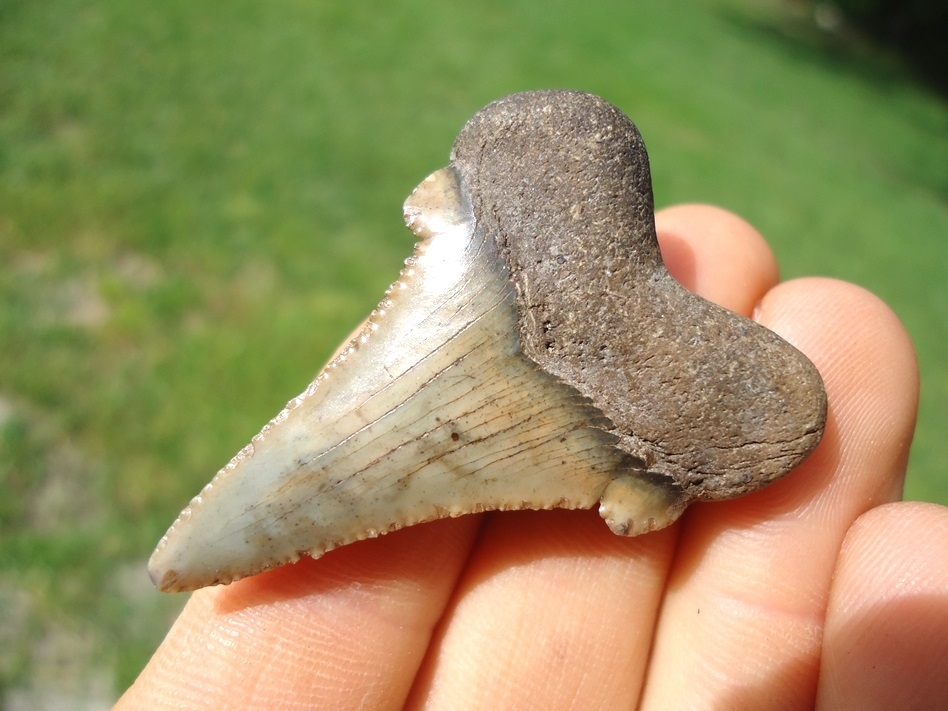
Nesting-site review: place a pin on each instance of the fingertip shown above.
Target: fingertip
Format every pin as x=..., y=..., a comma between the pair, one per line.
x=858, y=343
x=886, y=634
x=895, y=538
x=716, y=254
x=869, y=369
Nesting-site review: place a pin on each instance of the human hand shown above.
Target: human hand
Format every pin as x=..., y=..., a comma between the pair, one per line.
x=816, y=592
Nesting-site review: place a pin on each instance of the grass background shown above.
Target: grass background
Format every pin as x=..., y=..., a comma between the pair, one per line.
x=199, y=200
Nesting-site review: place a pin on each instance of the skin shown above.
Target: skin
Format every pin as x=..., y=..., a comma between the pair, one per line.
x=819, y=591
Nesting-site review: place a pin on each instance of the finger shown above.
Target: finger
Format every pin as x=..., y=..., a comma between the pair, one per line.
x=886, y=637
x=746, y=598
x=347, y=631
x=737, y=266
x=554, y=610
x=534, y=621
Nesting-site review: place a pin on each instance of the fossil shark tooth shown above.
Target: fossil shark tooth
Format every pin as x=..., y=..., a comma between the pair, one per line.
x=534, y=353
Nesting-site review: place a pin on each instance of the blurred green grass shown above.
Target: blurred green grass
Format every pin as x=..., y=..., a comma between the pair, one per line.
x=199, y=200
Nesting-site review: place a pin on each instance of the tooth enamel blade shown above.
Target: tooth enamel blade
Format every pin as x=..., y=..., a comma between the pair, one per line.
x=432, y=411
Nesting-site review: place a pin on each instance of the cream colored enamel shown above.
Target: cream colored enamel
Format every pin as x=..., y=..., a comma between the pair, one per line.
x=432, y=411
x=632, y=505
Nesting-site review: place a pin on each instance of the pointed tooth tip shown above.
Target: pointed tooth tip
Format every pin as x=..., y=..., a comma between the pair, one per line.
x=163, y=576
x=172, y=567
x=170, y=574
x=162, y=568
x=164, y=580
